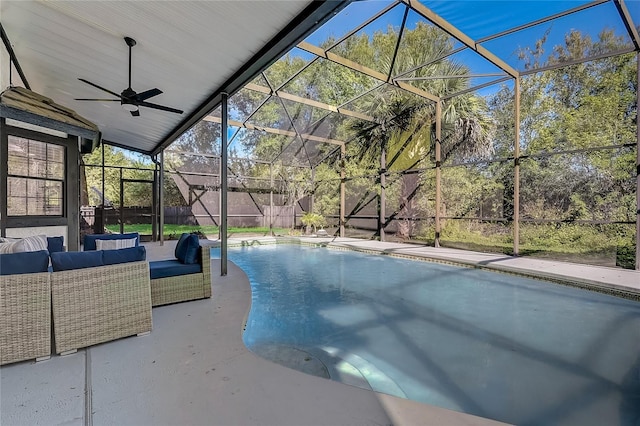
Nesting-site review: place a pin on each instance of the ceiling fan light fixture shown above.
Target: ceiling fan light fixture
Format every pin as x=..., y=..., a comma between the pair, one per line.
x=129, y=107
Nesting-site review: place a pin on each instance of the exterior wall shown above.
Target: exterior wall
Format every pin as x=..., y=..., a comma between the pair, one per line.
x=49, y=231
x=68, y=225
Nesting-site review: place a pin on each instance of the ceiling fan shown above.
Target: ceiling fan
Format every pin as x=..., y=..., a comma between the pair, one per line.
x=129, y=99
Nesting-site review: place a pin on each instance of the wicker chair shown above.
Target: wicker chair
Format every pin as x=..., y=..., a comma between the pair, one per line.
x=25, y=322
x=182, y=288
x=99, y=304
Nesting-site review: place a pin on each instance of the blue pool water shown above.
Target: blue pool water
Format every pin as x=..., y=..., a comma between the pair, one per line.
x=508, y=348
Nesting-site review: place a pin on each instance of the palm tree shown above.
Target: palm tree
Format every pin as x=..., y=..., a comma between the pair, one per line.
x=405, y=129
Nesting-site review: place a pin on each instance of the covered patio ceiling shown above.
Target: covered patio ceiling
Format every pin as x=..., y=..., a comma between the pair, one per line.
x=191, y=50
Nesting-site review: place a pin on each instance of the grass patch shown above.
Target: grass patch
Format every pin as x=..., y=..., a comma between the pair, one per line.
x=174, y=231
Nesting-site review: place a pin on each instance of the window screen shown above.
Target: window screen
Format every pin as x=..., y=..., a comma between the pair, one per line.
x=35, y=180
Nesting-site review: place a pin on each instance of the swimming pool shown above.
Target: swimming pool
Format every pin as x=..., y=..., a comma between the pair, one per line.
x=499, y=346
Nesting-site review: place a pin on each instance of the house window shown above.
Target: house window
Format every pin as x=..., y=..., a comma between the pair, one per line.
x=35, y=180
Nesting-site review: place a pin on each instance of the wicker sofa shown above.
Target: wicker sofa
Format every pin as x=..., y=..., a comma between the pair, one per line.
x=99, y=304
x=90, y=297
x=186, y=277
x=187, y=286
x=25, y=323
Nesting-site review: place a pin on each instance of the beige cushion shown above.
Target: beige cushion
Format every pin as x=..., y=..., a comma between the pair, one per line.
x=115, y=244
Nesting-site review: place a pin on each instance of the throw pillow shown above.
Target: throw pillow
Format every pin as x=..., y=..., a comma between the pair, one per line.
x=65, y=260
x=132, y=254
x=24, y=263
x=115, y=244
x=181, y=247
x=191, y=253
x=55, y=244
x=7, y=247
x=33, y=243
x=90, y=239
x=187, y=248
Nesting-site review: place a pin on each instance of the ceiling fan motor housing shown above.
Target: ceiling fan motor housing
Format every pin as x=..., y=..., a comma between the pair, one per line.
x=128, y=96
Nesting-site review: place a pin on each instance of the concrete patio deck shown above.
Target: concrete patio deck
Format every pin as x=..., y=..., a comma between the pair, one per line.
x=193, y=369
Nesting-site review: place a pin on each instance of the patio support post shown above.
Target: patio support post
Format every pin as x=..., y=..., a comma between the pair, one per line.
x=313, y=183
x=438, y=170
x=383, y=194
x=638, y=167
x=516, y=170
x=102, y=171
x=161, y=198
x=121, y=202
x=342, y=188
x=271, y=199
x=154, y=204
x=4, y=171
x=223, y=186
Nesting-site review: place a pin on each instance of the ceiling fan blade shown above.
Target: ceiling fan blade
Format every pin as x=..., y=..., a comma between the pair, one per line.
x=101, y=88
x=100, y=100
x=148, y=94
x=160, y=107
x=135, y=113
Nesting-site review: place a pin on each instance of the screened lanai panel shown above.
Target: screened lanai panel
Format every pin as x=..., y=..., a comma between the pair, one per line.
x=402, y=192
x=326, y=127
x=477, y=192
x=242, y=142
x=375, y=102
x=410, y=205
x=461, y=71
x=304, y=116
x=421, y=45
x=270, y=147
x=286, y=67
x=273, y=115
x=326, y=195
x=595, y=244
x=477, y=235
x=252, y=184
x=191, y=162
x=579, y=107
x=479, y=20
x=373, y=46
x=519, y=49
x=583, y=186
x=411, y=149
x=348, y=19
x=329, y=83
x=470, y=140
x=204, y=138
x=244, y=103
x=247, y=167
x=300, y=152
x=339, y=127
x=361, y=207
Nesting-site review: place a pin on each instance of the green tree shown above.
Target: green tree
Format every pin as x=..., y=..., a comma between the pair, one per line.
x=406, y=123
x=588, y=112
